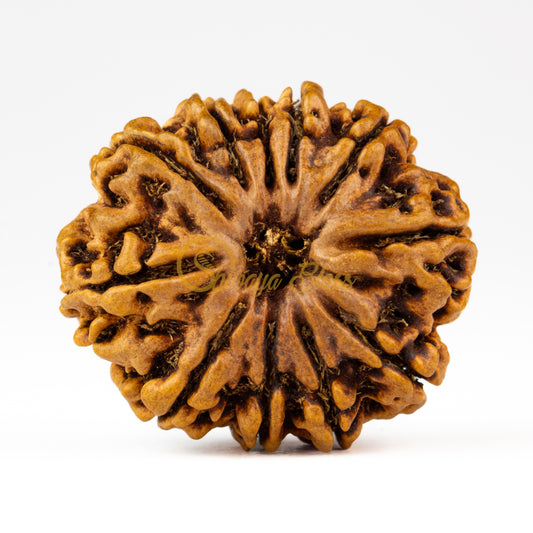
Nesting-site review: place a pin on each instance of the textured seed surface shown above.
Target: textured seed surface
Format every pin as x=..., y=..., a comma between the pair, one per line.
x=278, y=267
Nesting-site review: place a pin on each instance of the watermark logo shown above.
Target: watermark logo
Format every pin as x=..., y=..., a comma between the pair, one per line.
x=263, y=281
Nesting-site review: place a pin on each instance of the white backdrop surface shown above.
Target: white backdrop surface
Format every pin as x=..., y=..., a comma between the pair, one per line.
x=72, y=455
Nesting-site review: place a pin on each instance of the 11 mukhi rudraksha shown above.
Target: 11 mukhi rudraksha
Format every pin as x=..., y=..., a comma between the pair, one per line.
x=278, y=267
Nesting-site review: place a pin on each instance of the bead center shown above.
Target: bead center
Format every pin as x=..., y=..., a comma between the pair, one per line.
x=275, y=250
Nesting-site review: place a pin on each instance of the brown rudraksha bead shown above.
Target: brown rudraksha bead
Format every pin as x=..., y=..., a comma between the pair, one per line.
x=278, y=267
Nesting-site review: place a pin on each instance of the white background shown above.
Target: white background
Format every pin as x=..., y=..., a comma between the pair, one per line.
x=73, y=456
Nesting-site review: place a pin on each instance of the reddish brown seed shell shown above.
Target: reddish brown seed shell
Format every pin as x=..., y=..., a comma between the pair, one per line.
x=278, y=267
